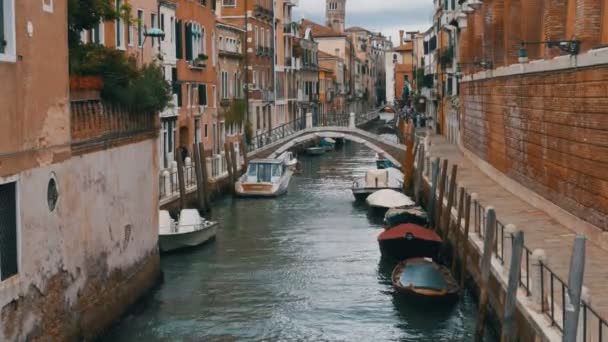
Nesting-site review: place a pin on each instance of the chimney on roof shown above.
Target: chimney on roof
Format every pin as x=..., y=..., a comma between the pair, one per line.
x=401, y=37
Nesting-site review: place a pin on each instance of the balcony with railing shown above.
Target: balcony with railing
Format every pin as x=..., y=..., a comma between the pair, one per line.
x=263, y=12
x=230, y=50
x=96, y=125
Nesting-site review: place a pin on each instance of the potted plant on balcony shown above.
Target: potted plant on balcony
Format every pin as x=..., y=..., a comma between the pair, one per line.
x=201, y=60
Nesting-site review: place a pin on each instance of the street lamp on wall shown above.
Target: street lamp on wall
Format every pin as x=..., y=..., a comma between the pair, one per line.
x=571, y=47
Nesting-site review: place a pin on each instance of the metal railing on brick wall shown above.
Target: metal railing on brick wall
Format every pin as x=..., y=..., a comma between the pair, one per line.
x=553, y=290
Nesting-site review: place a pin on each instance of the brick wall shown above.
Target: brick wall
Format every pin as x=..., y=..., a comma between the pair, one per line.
x=547, y=131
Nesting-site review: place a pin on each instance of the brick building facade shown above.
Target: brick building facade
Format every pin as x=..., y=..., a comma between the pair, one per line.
x=542, y=123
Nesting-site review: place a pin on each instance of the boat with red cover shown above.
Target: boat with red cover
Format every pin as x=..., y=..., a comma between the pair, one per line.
x=409, y=241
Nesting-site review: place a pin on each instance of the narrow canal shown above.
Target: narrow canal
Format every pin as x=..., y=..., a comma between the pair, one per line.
x=303, y=267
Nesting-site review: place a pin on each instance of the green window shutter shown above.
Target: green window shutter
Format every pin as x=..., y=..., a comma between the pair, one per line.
x=2, y=38
x=178, y=40
x=202, y=94
x=189, y=42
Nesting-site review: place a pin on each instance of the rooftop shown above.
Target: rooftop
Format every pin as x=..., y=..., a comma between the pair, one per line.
x=319, y=30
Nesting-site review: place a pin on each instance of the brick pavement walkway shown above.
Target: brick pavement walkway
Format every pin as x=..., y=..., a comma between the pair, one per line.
x=540, y=229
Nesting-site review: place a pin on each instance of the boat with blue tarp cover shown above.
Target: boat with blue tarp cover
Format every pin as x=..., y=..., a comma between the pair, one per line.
x=423, y=278
x=397, y=216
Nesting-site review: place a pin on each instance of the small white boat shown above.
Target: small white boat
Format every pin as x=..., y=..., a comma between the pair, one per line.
x=192, y=230
x=375, y=179
x=264, y=178
x=289, y=159
x=328, y=144
x=387, y=114
x=315, y=151
x=387, y=198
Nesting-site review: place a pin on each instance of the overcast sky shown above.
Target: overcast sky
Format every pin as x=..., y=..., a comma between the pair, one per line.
x=387, y=16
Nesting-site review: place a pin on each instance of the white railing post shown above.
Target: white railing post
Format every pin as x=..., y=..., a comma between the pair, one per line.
x=308, y=120
x=166, y=182
x=173, y=174
x=351, y=120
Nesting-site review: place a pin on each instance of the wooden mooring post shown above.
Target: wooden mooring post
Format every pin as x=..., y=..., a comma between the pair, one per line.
x=180, y=179
x=207, y=195
x=465, y=240
x=244, y=153
x=456, y=229
x=228, y=157
x=432, y=197
x=448, y=209
x=575, y=283
x=439, y=201
x=200, y=185
x=508, y=325
x=488, y=245
x=419, y=175
x=408, y=165
x=235, y=163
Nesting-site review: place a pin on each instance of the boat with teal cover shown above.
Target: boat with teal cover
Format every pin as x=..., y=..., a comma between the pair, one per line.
x=423, y=278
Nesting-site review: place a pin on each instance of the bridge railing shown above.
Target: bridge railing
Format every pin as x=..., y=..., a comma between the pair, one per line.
x=268, y=137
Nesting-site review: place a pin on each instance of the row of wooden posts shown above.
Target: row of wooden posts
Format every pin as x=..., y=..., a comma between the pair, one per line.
x=440, y=219
x=202, y=177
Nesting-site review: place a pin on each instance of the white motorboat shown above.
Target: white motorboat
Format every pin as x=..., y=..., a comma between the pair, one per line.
x=289, y=159
x=375, y=179
x=264, y=178
x=191, y=230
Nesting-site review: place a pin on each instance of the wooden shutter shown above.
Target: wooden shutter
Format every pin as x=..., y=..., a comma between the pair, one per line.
x=202, y=94
x=178, y=40
x=189, y=42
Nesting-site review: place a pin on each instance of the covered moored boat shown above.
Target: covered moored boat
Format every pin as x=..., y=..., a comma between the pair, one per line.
x=385, y=199
x=422, y=278
x=397, y=216
x=375, y=180
x=409, y=241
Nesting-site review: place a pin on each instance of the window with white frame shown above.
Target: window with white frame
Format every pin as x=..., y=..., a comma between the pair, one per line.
x=97, y=33
x=152, y=25
x=203, y=40
x=255, y=37
x=255, y=79
x=172, y=28
x=129, y=34
x=9, y=262
x=224, y=85
x=229, y=3
x=119, y=27
x=213, y=50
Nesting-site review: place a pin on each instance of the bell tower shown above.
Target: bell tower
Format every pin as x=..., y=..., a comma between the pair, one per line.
x=335, y=14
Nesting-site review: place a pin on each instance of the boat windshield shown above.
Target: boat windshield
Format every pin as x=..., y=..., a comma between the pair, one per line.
x=253, y=170
x=264, y=174
x=277, y=170
x=423, y=276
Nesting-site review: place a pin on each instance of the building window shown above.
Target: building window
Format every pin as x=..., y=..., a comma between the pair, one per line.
x=152, y=25
x=97, y=33
x=172, y=30
x=224, y=85
x=206, y=131
x=8, y=231
x=140, y=29
x=129, y=34
x=162, y=25
x=119, y=27
x=202, y=95
x=229, y=3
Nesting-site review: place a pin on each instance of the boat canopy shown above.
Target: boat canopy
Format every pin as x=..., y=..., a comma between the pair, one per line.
x=189, y=217
x=409, y=231
x=376, y=179
x=266, y=161
x=423, y=275
x=388, y=198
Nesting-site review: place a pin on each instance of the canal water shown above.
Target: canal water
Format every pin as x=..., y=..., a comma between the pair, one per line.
x=303, y=267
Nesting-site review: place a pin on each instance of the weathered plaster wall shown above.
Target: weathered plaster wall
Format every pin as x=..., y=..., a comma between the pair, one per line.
x=81, y=265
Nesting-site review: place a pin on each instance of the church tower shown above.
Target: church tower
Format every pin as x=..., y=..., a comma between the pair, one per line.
x=335, y=14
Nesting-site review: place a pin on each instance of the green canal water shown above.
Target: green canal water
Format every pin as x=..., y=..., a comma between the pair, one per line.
x=303, y=267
